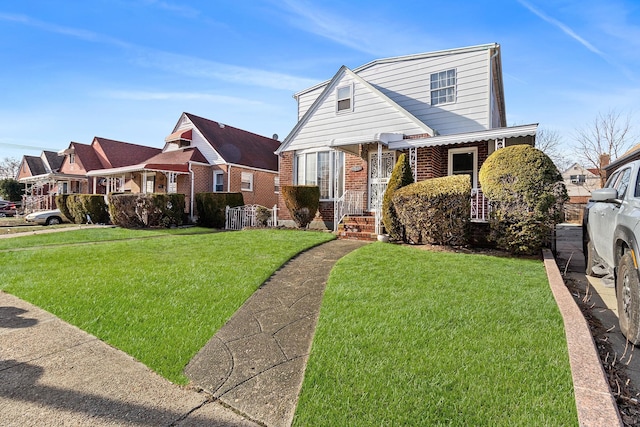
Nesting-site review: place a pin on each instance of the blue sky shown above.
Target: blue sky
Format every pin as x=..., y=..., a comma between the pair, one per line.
x=126, y=69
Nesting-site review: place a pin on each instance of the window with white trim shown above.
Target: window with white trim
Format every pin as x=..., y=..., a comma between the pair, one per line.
x=443, y=87
x=247, y=181
x=464, y=161
x=276, y=184
x=324, y=169
x=344, y=97
x=218, y=181
x=172, y=186
x=72, y=158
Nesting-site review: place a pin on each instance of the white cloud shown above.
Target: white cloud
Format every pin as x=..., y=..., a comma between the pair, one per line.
x=364, y=35
x=177, y=63
x=137, y=95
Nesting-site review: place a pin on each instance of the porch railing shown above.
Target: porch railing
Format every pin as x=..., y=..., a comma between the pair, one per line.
x=38, y=203
x=350, y=203
x=480, y=207
x=240, y=217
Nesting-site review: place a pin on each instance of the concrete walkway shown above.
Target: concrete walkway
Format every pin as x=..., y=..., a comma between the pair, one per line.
x=255, y=363
x=52, y=373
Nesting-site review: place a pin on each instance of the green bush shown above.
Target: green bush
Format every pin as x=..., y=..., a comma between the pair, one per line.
x=146, y=210
x=10, y=189
x=526, y=194
x=400, y=177
x=211, y=207
x=302, y=201
x=61, y=203
x=78, y=208
x=436, y=211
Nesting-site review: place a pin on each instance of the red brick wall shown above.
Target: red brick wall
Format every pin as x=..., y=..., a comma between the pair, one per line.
x=263, y=192
x=286, y=178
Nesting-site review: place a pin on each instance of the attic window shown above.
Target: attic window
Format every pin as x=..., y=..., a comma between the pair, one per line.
x=344, y=97
x=72, y=158
x=578, y=179
x=443, y=87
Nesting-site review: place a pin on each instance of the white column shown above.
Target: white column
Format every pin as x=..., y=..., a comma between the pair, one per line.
x=378, y=207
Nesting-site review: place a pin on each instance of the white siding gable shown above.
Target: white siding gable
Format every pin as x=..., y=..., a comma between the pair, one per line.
x=197, y=141
x=406, y=80
x=372, y=113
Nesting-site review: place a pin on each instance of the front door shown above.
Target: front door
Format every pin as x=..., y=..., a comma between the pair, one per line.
x=379, y=176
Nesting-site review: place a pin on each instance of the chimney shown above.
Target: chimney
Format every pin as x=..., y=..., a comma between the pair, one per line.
x=605, y=159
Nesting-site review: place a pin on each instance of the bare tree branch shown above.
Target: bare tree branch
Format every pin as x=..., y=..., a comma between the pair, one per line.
x=606, y=138
x=549, y=142
x=9, y=167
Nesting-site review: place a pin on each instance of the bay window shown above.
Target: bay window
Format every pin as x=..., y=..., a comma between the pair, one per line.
x=324, y=169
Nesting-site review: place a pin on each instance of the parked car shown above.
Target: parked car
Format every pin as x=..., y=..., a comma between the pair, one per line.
x=7, y=208
x=51, y=217
x=611, y=231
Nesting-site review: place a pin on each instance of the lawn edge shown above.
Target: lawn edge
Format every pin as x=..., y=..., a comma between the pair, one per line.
x=594, y=401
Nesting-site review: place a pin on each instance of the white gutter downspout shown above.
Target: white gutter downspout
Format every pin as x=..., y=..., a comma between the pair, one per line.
x=191, y=174
x=229, y=178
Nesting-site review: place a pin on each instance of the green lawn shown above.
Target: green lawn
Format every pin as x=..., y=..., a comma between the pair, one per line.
x=158, y=299
x=410, y=337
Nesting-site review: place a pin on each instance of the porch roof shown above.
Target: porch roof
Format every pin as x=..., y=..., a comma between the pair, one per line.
x=460, y=138
x=168, y=161
x=51, y=177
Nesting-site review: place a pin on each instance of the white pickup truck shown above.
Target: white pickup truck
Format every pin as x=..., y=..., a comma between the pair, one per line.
x=611, y=233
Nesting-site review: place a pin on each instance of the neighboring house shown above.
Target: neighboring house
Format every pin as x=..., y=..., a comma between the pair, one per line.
x=579, y=182
x=39, y=176
x=202, y=155
x=444, y=109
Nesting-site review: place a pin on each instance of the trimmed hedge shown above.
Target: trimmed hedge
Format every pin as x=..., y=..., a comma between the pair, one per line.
x=400, y=177
x=211, y=207
x=436, y=211
x=526, y=193
x=302, y=201
x=78, y=207
x=147, y=210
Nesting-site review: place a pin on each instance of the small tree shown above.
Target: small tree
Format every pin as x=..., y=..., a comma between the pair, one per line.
x=400, y=177
x=526, y=193
x=10, y=189
x=302, y=201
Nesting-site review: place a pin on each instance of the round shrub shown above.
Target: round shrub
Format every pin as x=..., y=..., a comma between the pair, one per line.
x=436, y=211
x=302, y=201
x=526, y=194
x=400, y=177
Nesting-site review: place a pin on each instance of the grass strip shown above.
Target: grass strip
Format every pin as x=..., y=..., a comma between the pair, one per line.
x=160, y=300
x=411, y=337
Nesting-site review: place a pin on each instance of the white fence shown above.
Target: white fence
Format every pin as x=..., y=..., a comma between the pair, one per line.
x=240, y=217
x=349, y=204
x=480, y=207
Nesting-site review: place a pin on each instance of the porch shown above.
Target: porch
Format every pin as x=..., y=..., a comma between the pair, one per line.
x=352, y=221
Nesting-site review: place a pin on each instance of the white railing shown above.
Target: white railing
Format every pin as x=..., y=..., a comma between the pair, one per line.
x=480, y=207
x=240, y=217
x=37, y=203
x=350, y=203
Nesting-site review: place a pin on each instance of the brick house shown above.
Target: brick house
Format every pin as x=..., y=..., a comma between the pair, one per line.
x=444, y=109
x=201, y=155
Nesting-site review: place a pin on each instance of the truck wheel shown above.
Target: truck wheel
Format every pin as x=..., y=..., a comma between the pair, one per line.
x=628, y=296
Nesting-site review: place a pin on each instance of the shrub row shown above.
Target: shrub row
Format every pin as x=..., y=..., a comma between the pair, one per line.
x=212, y=207
x=435, y=211
x=147, y=210
x=79, y=208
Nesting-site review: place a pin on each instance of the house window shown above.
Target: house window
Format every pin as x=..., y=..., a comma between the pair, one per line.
x=72, y=158
x=443, y=87
x=218, y=181
x=344, y=99
x=324, y=169
x=247, y=181
x=578, y=179
x=464, y=161
x=276, y=184
x=150, y=185
x=173, y=183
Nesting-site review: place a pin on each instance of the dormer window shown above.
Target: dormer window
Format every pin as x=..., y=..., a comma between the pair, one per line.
x=443, y=87
x=72, y=158
x=344, y=97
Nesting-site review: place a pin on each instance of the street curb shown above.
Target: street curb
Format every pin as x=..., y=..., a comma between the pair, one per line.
x=594, y=400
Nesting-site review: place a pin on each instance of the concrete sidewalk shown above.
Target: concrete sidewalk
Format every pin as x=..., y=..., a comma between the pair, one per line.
x=52, y=373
